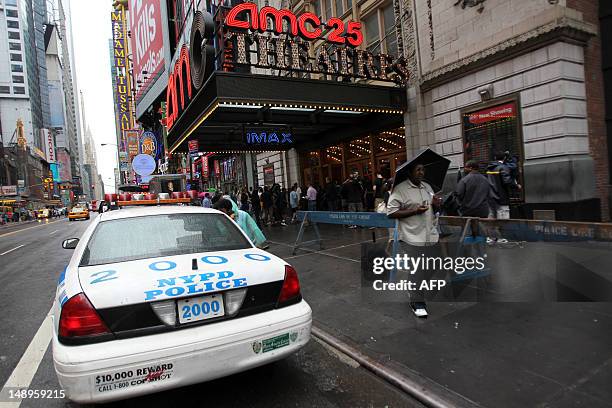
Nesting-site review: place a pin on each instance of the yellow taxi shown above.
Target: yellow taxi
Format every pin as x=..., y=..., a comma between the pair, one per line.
x=78, y=213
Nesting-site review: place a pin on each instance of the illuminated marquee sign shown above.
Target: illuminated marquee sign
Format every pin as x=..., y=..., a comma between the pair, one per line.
x=247, y=27
x=268, y=136
x=123, y=109
x=279, y=46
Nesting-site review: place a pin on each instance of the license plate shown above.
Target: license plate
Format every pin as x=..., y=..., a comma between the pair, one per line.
x=200, y=308
x=275, y=343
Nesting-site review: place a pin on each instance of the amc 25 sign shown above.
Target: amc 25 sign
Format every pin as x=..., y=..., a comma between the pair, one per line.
x=248, y=28
x=247, y=31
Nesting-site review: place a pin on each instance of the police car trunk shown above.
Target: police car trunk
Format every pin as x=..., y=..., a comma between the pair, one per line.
x=145, y=273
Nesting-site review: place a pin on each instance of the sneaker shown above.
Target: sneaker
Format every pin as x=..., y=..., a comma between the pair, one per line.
x=352, y=226
x=419, y=309
x=490, y=241
x=283, y=224
x=502, y=241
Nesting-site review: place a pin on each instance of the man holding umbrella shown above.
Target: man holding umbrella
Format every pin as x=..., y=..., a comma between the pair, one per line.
x=414, y=203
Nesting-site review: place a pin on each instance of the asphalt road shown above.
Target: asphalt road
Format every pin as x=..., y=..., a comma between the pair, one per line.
x=31, y=259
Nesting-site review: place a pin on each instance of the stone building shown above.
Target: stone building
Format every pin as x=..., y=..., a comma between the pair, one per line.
x=523, y=76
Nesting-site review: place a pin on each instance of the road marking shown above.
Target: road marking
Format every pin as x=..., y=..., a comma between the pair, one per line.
x=11, y=250
x=35, y=226
x=53, y=232
x=24, y=372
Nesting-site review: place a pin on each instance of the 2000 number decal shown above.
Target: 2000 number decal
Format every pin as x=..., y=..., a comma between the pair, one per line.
x=204, y=309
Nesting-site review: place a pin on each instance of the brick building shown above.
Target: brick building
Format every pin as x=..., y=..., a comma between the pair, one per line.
x=523, y=76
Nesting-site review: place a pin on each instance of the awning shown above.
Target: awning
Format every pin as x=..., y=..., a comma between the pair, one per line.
x=232, y=106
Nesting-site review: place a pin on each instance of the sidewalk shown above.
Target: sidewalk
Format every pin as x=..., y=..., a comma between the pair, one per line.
x=545, y=354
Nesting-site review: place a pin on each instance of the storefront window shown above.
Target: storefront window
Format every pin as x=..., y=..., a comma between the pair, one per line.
x=492, y=130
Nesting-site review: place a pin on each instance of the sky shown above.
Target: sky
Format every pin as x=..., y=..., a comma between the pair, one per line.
x=91, y=28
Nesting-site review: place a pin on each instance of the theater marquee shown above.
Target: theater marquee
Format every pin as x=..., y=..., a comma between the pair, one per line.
x=278, y=40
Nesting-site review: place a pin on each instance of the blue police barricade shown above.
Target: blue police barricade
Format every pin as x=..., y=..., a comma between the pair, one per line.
x=363, y=219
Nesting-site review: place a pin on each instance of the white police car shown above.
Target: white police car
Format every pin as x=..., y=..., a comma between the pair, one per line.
x=161, y=297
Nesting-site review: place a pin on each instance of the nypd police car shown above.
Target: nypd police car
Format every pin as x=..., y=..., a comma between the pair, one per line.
x=166, y=296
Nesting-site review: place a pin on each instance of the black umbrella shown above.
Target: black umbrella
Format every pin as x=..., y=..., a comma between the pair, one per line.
x=436, y=167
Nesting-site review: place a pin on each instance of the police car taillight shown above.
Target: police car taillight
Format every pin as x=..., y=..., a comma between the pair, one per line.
x=80, y=319
x=290, y=292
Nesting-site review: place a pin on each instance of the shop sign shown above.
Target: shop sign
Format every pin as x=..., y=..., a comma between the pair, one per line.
x=123, y=111
x=21, y=183
x=268, y=137
x=284, y=47
x=49, y=146
x=288, y=42
x=8, y=190
x=143, y=165
x=132, y=143
x=217, y=169
x=205, y=168
x=494, y=113
x=148, y=144
x=147, y=41
x=268, y=174
x=193, y=146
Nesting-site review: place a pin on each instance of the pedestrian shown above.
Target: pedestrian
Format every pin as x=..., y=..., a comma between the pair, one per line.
x=354, y=194
x=311, y=196
x=378, y=185
x=502, y=183
x=293, y=202
x=206, y=202
x=244, y=200
x=267, y=203
x=414, y=204
x=256, y=205
x=244, y=221
x=473, y=192
x=331, y=195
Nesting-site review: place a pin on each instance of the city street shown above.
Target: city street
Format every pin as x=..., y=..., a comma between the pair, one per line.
x=32, y=259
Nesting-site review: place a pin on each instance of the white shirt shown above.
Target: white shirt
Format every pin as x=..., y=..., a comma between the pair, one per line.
x=419, y=229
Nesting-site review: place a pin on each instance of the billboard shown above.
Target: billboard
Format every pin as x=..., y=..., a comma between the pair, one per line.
x=124, y=112
x=49, y=145
x=132, y=137
x=63, y=164
x=150, y=50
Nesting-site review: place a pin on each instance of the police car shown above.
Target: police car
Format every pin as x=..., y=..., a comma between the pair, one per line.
x=162, y=297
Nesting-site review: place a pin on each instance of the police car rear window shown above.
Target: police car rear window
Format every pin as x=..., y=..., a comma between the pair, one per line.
x=134, y=238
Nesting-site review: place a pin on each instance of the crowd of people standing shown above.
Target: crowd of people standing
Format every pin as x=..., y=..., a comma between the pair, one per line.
x=275, y=205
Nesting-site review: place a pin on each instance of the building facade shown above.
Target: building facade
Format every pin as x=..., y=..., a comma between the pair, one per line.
x=518, y=76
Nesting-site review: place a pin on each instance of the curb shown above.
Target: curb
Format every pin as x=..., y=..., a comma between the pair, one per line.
x=421, y=388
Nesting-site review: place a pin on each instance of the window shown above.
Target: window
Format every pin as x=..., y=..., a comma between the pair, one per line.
x=16, y=68
x=328, y=9
x=11, y=13
x=11, y=3
x=16, y=57
x=371, y=31
x=13, y=35
x=20, y=90
x=317, y=8
x=5, y=89
x=491, y=130
x=390, y=32
x=18, y=79
x=339, y=8
x=124, y=240
x=13, y=46
x=12, y=23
